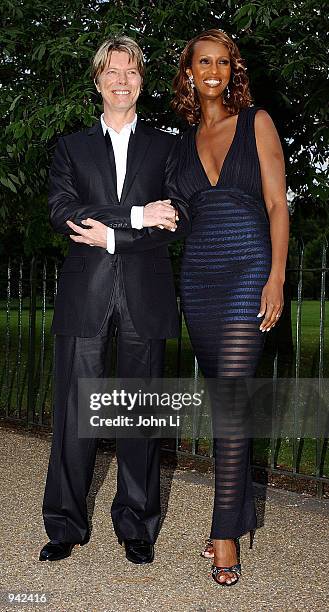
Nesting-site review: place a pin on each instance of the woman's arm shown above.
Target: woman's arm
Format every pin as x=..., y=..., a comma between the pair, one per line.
x=274, y=190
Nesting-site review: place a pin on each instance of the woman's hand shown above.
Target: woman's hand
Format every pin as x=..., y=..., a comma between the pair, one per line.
x=95, y=235
x=271, y=304
x=160, y=214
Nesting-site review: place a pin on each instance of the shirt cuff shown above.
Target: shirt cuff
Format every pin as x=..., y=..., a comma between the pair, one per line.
x=137, y=217
x=110, y=241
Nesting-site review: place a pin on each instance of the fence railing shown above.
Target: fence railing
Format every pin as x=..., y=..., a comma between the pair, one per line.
x=298, y=348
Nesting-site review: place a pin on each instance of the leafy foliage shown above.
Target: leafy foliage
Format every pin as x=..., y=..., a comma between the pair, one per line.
x=46, y=88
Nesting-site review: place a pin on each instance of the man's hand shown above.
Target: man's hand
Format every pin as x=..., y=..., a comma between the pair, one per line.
x=96, y=235
x=160, y=214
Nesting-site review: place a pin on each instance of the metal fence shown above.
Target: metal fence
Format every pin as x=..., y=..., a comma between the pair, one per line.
x=27, y=293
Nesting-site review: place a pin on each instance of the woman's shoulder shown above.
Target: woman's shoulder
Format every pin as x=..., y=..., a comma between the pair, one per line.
x=259, y=112
x=253, y=110
x=264, y=126
x=263, y=120
x=259, y=116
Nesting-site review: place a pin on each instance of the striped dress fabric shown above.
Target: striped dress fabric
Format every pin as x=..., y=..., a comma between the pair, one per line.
x=226, y=263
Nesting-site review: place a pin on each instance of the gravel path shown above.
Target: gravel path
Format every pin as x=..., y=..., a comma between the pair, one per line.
x=286, y=570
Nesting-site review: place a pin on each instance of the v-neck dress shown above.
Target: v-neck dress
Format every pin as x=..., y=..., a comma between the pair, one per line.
x=225, y=265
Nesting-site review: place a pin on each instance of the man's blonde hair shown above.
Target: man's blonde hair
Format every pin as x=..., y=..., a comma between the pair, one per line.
x=117, y=43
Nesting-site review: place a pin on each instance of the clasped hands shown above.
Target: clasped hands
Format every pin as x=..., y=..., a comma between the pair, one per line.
x=164, y=216
x=156, y=214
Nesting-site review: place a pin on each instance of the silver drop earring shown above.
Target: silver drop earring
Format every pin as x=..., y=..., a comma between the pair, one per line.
x=191, y=79
x=226, y=95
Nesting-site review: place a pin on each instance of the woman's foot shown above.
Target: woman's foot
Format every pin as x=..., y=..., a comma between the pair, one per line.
x=208, y=551
x=226, y=556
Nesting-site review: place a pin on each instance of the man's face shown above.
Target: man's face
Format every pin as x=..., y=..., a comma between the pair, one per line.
x=120, y=82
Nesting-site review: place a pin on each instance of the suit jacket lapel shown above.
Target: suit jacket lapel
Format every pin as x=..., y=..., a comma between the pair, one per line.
x=137, y=148
x=103, y=157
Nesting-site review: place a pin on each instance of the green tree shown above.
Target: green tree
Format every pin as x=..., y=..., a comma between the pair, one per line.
x=46, y=88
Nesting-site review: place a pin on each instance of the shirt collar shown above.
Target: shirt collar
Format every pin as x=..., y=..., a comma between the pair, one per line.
x=128, y=126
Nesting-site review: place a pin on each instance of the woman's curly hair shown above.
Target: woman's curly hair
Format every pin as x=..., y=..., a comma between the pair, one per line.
x=186, y=102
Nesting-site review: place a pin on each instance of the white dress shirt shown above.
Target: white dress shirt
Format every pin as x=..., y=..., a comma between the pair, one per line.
x=120, y=142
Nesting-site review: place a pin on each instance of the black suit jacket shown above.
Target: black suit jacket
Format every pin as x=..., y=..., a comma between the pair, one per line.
x=82, y=184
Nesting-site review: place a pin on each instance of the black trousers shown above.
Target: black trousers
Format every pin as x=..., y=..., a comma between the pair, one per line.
x=136, y=507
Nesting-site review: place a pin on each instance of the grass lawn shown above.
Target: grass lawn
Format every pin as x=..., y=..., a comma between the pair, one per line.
x=13, y=375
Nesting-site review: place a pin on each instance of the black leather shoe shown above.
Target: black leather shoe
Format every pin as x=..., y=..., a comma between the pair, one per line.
x=139, y=551
x=56, y=550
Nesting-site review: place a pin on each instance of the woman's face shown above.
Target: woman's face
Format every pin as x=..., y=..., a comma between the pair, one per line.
x=211, y=68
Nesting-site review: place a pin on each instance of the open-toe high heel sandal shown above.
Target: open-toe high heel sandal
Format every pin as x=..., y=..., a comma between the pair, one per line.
x=235, y=569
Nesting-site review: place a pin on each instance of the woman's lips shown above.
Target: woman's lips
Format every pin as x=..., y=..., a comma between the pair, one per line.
x=212, y=82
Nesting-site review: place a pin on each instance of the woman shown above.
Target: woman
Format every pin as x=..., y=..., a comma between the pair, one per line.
x=231, y=170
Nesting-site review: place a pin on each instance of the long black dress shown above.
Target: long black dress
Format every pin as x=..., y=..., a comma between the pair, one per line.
x=226, y=263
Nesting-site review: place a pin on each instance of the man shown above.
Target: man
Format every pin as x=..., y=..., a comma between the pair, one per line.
x=107, y=185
